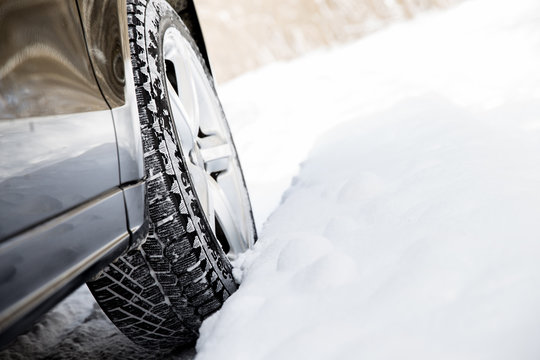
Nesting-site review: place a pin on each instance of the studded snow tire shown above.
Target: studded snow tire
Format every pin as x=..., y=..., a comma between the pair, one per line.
x=159, y=293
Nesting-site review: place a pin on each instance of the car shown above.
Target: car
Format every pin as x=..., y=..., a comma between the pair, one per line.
x=117, y=168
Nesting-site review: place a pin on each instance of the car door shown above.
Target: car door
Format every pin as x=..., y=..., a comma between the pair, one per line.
x=57, y=137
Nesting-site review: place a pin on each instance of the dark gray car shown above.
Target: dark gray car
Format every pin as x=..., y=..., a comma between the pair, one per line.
x=117, y=167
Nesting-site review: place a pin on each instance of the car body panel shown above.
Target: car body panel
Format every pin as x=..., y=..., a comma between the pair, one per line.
x=44, y=263
x=72, y=187
x=44, y=65
x=104, y=24
x=62, y=209
x=52, y=164
x=137, y=212
x=101, y=27
x=57, y=139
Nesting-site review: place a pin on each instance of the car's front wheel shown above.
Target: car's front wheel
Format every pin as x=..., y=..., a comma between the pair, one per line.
x=199, y=210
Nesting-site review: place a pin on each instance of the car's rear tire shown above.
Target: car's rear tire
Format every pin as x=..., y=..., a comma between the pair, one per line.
x=159, y=293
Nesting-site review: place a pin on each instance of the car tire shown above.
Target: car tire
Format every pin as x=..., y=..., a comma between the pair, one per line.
x=159, y=293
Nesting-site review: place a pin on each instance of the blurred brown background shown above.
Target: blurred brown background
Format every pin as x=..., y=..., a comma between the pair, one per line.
x=242, y=35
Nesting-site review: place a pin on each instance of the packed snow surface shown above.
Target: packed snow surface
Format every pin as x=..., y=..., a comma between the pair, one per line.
x=402, y=175
x=410, y=224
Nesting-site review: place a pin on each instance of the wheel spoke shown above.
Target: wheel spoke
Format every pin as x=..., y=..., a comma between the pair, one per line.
x=206, y=145
x=215, y=153
x=196, y=116
x=210, y=115
x=224, y=214
x=181, y=119
x=200, y=181
x=187, y=89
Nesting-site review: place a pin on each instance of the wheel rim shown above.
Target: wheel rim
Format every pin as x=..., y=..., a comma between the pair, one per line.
x=207, y=147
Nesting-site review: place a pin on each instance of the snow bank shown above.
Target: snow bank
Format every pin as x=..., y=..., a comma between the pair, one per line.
x=411, y=229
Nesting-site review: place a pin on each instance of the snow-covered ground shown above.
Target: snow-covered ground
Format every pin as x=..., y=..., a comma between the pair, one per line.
x=411, y=229
x=402, y=175
x=78, y=329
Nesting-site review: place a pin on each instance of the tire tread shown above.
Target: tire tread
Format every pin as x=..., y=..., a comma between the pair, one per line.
x=159, y=293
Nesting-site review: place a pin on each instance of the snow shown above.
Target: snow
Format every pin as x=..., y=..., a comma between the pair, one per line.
x=395, y=186
x=77, y=329
x=264, y=32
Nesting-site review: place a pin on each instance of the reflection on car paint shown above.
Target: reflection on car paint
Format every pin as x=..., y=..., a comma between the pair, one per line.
x=44, y=65
x=40, y=261
x=100, y=23
x=50, y=164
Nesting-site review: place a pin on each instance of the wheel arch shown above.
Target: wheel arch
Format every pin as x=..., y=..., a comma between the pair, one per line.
x=187, y=11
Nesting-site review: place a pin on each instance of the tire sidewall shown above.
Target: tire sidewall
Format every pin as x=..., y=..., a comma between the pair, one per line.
x=158, y=18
